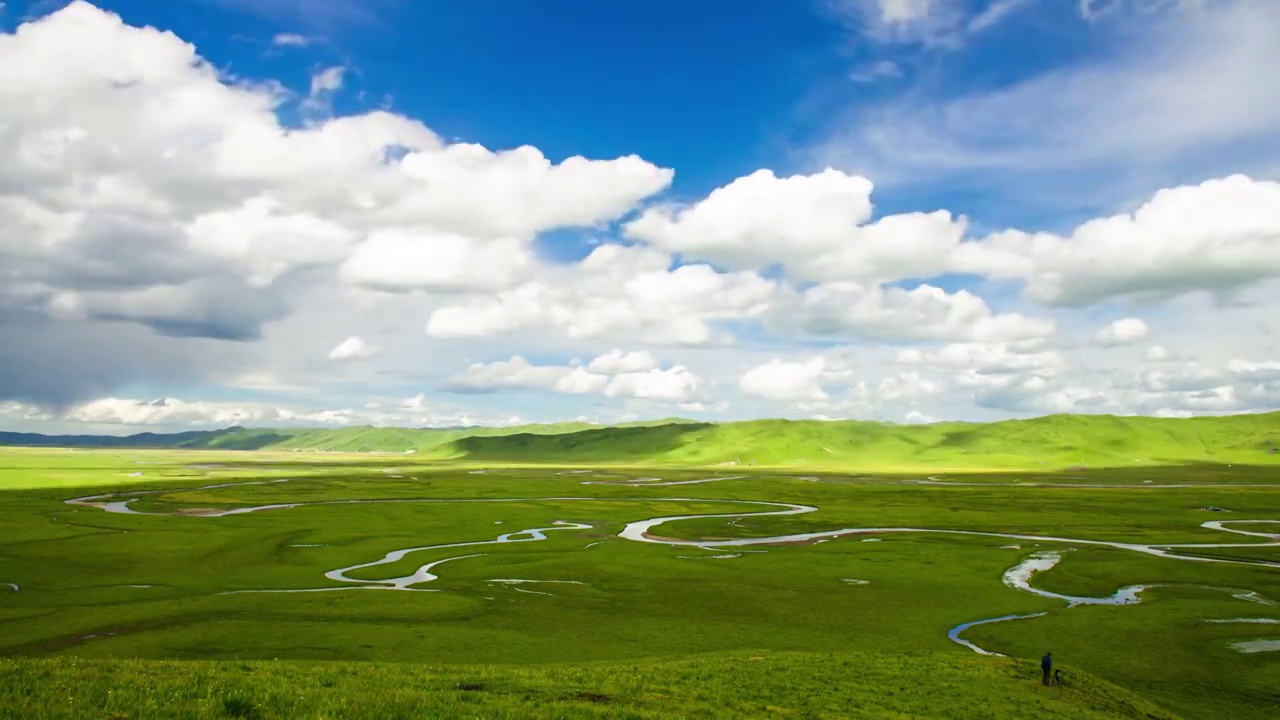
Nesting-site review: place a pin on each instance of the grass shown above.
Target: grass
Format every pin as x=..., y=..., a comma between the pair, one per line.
x=732, y=685
x=1050, y=442
x=648, y=620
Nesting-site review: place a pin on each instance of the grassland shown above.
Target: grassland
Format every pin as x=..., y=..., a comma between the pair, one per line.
x=1050, y=442
x=137, y=604
x=728, y=686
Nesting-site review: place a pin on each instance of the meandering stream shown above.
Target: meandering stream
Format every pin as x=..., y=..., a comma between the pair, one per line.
x=1018, y=576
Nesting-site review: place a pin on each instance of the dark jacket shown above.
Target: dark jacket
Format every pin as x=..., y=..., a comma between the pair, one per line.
x=1046, y=662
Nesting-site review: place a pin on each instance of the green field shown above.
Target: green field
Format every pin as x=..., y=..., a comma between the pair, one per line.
x=178, y=609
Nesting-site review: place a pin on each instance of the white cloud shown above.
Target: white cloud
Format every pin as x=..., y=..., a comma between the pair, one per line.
x=353, y=348
x=616, y=361
x=324, y=84
x=291, y=40
x=152, y=209
x=166, y=411
x=986, y=358
x=1094, y=10
x=915, y=417
x=617, y=293
x=922, y=313
x=143, y=187
x=580, y=381
x=878, y=70
x=787, y=381
x=1217, y=236
x=1125, y=331
x=817, y=226
x=1266, y=371
x=934, y=23
x=908, y=387
x=1166, y=91
x=179, y=414
x=518, y=193
x=1176, y=389
x=994, y=13
x=611, y=375
x=265, y=241
x=901, y=11
x=515, y=373
x=676, y=384
x=1040, y=394
x=401, y=259
x=700, y=407
x=12, y=410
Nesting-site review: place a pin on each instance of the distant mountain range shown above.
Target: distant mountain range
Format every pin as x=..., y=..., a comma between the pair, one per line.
x=1053, y=441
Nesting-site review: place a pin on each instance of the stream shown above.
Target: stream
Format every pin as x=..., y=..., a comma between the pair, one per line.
x=1018, y=577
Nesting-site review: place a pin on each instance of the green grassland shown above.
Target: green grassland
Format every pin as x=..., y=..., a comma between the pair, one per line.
x=725, y=685
x=1051, y=442
x=126, y=615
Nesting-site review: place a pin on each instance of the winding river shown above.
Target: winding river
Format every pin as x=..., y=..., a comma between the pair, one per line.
x=1018, y=576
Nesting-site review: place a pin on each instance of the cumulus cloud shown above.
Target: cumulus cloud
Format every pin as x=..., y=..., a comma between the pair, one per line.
x=616, y=361
x=353, y=348
x=1217, y=236
x=616, y=293
x=145, y=188
x=397, y=260
x=515, y=373
x=908, y=387
x=884, y=312
x=1125, y=331
x=616, y=374
x=1175, y=389
x=675, y=384
x=817, y=226
x=159, y=222
x=182, y=414
x=789, y=381
x=986, y=358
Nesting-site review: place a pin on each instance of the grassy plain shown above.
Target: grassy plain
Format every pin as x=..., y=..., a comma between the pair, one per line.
x=135, y=604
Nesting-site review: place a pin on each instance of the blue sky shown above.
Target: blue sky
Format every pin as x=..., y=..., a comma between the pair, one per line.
x=1027, y=116
x=687, y=85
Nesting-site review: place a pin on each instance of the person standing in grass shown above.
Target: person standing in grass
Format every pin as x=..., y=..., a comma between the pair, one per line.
x=1046, y=664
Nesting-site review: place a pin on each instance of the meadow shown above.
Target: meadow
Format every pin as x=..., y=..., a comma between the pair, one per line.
x=202, y=583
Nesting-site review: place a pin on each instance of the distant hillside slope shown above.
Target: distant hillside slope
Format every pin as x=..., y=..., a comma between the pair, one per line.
x=1054, y=441
x=353, y=439
x=232, y=438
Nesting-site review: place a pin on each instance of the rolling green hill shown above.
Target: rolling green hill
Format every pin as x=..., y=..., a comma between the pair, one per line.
x=362, y=438
x=1053, y=441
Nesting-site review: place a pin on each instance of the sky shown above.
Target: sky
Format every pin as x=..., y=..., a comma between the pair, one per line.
x=345, y=212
